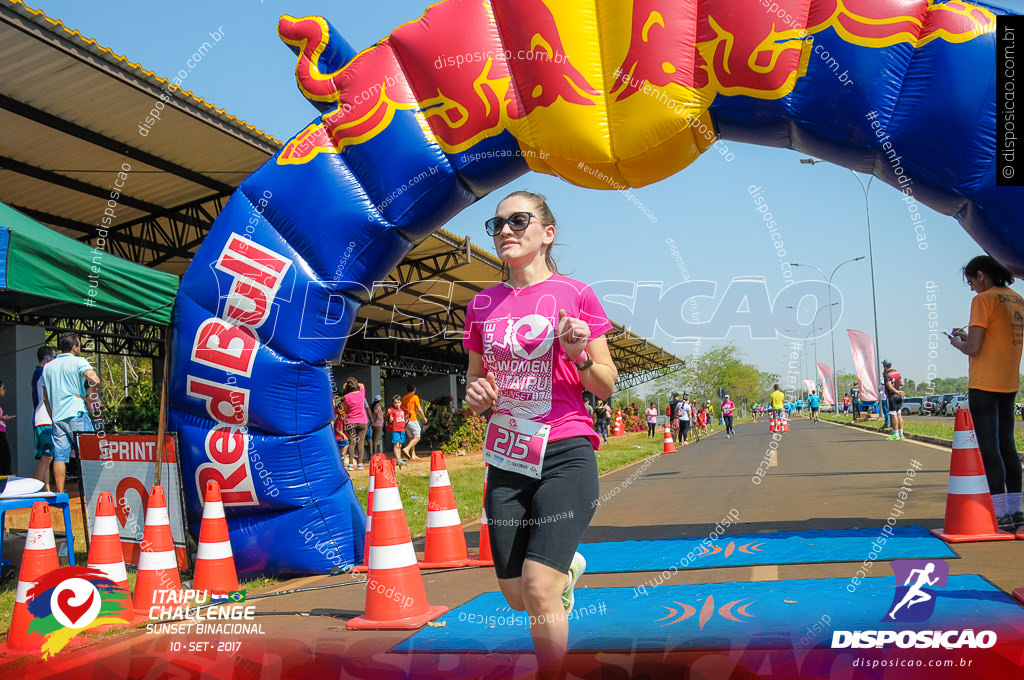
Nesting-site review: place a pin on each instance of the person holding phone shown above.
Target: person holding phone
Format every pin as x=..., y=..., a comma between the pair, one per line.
x=992, y=342
x=535, y=343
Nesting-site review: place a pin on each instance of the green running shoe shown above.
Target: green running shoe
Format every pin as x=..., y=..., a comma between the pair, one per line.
x=892, y=436
x=576, y=569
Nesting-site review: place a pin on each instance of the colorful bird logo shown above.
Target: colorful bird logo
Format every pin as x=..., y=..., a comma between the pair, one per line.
x=707, y=610
x=69, y=601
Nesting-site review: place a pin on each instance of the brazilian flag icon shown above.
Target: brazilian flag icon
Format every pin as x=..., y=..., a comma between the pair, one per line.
x=236, y=596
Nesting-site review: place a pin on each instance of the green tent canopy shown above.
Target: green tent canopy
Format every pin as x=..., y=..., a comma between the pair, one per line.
x=43, y=272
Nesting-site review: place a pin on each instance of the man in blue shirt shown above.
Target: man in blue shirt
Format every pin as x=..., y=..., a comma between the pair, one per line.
x=64, y=395
x=814, y=402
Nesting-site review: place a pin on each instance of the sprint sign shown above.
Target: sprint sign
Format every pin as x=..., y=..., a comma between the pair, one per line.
x=124, y=465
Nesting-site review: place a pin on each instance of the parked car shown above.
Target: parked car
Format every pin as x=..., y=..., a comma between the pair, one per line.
x=957, y=403
x=931, y=404
x=912, y=405
x=944, y=402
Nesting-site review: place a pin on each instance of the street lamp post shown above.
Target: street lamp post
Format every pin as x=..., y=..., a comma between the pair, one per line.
x=831, y=322
x=829, y=306
x=866, y=188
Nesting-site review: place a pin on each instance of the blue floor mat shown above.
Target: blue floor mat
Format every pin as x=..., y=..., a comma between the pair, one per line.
x=762, y=614
x=785, y=547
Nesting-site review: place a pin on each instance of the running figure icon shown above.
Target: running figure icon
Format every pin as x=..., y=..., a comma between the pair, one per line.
x=915, y=595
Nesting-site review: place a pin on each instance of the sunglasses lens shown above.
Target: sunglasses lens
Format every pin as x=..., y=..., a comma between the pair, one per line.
x=520, y=220
x=494, y=225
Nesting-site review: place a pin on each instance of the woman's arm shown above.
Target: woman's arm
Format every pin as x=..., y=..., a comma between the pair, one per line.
x=968, y=340
x=600, y=378
x=481, y=391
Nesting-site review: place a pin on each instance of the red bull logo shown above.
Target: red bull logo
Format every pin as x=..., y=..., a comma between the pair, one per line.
x=465, y=86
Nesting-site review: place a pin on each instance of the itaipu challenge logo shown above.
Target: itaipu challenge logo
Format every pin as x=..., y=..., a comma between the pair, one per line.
x=69, y=601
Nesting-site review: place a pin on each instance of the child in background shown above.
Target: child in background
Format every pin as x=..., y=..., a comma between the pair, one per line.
x=395, y=421
x=339, y=434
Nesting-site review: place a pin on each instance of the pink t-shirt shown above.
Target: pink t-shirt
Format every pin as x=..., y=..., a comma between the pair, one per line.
x=728, y=407
x=652, y=415
x=514, y=331
x=355, y=402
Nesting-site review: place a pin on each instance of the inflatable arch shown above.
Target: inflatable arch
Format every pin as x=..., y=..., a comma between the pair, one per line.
x=472, y=95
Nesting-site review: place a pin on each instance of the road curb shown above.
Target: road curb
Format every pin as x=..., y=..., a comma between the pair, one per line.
x=937, y=441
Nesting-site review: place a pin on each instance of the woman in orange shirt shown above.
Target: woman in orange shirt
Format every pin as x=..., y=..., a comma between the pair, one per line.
x=993, y=342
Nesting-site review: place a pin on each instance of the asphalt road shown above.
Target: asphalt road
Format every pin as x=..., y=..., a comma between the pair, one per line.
x=827, y=477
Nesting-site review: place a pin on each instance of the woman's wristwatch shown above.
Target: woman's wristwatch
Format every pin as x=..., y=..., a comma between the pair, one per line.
x=584, y=362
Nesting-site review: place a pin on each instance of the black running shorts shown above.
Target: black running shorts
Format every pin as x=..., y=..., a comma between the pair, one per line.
x=542, y=519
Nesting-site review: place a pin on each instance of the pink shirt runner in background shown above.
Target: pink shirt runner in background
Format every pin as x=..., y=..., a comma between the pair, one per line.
x=514, y=332
x=728, y=407
x=652, y=415
x=355, y=402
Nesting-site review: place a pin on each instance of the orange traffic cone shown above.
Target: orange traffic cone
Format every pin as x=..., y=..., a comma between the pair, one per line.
x=670, y=445
x=158, y=565
x=40, y=558
x=215, y=563
x=771, y=422
x=105, y=552
x=619, y=429
x=970, y=515
x=785, y=422
x=395, y=596
x=375, y=460
x=484, y=557
x=445, y=543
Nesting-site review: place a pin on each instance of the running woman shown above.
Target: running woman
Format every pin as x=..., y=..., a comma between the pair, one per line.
x=728, y=407
x=534, y=345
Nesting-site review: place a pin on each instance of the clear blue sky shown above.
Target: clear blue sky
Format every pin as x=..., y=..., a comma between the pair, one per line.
x=706, y=209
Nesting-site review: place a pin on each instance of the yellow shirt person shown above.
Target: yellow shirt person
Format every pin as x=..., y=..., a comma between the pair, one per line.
x=777, y=399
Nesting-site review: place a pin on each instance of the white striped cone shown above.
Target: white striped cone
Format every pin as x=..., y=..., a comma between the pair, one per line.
x=395, y=596
x=158, y=564
x=969, y=512
x=445, y=544
x=105, y=551
x=215, y=564
x=670, y=444
x=771, y=422
x=40, y=558
x=375, y=460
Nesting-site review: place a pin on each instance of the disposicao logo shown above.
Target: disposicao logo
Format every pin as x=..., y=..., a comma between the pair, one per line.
x=914, y=601
x=917, y=582
x=71, y=600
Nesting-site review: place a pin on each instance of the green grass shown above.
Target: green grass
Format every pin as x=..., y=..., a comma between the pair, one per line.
x=941, y=428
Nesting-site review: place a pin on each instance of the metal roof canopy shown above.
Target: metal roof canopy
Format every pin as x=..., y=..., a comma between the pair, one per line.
x=70, y=110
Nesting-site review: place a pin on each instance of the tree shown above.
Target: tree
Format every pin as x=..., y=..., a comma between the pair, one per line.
x=703, y=375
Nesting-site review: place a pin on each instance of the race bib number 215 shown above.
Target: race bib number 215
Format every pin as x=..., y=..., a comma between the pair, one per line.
x=516, y=444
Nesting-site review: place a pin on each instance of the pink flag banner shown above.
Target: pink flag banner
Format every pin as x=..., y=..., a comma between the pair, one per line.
x=864, y=360
x=826, y=384
x=809, y=384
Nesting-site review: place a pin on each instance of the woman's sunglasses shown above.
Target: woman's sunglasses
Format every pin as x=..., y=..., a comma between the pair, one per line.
x=516, y=222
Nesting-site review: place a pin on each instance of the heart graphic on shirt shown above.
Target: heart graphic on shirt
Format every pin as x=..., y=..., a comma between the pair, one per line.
x=531, y=336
